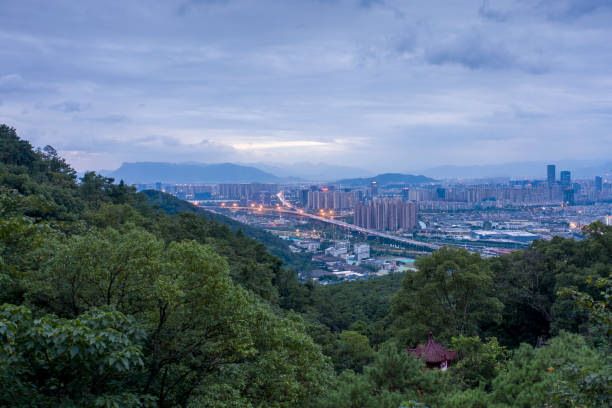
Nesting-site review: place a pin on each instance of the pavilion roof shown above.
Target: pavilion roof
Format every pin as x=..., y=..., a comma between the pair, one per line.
x=434, y=353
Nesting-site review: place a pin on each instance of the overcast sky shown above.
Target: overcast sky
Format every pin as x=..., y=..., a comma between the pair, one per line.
x=384, y=85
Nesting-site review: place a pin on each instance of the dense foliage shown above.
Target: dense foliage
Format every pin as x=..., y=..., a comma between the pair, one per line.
x=114, y=298
x=111, y=302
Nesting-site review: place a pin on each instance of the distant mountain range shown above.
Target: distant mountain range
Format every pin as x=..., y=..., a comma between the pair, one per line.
x=387, y=178
x=312, y=171
x=152, y=172
x=518, y=170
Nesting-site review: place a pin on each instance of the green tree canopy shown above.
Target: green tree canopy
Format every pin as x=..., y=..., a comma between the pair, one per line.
x=451, y=294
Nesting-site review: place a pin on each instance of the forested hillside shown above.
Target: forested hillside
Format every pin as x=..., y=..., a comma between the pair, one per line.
x=113, y=298
x=276, y=246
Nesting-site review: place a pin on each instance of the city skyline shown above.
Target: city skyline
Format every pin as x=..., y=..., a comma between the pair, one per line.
x=390, y=85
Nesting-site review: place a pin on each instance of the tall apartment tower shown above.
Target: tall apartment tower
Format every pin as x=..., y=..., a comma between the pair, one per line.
x=373, y=189
x=551, y=172
x=598, y=184
x=566, y=179
x=386, y=214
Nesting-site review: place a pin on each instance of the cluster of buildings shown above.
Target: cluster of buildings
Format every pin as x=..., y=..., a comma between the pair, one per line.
x=332, y=269
x=342, y=249
x=521, y=192
x=328, y=198
x=490, y=231
x=386, y=214
x=182, y=191
x=250, y=192
x=246, y=192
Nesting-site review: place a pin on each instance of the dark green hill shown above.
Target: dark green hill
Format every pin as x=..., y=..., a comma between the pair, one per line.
x=278, y=247
x=387, y=178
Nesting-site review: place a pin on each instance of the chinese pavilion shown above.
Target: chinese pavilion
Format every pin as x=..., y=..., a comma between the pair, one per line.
x=436, y=356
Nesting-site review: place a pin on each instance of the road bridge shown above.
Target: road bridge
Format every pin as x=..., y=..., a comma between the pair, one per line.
x=290, y=210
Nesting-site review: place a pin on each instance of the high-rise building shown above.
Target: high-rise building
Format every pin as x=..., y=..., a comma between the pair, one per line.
x=551, y=172
x=373, y=189
x=568, y=196
x=566, y=179
x=331, y=199
x=303, y=197
x=386, y=214
x=598, y=184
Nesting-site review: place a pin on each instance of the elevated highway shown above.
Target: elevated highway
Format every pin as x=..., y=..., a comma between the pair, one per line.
x=291, y=210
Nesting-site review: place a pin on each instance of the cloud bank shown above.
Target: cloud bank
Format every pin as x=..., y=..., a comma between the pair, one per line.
x=380, y=84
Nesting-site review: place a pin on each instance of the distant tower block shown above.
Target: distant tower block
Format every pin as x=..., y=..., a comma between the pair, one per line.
x=551, y=171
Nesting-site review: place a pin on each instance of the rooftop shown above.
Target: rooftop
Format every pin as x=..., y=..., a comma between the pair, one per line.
x=434, y=353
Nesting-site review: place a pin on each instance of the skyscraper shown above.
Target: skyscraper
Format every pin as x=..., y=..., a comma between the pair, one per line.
x=373, y=189
x=566, y=179
x=598, y=184
x=552, y=174
x=568, y=196
x=386, y=214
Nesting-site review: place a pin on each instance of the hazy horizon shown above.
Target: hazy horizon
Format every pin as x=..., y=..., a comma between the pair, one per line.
x=381, y=85
x=323, y=172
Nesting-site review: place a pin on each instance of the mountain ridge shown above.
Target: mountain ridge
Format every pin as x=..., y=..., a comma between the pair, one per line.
x=388, y=178
x=165, y=172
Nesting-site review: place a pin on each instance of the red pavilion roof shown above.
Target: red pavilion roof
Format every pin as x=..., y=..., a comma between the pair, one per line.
x=434, y=353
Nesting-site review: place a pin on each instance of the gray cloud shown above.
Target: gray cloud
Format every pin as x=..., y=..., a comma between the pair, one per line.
x=107, y=119
x=573, y=9
x=486, y=11
x=70, y=107
x=476, y=50
x=473, y=51
x=555, y=10
x=186, y=6
x=343, y=81
x=12, y=83
x=370, y=3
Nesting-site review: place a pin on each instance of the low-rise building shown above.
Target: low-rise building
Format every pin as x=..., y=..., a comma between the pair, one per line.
x=362, y=251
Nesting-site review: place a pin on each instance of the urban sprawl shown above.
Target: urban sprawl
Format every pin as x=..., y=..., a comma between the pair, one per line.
x=358, y=231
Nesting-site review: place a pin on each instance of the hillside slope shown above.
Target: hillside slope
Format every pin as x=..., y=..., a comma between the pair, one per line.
x=387, y=178
x=152, y=172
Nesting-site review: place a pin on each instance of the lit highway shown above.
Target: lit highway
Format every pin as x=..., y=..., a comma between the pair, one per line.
x=287, y=208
